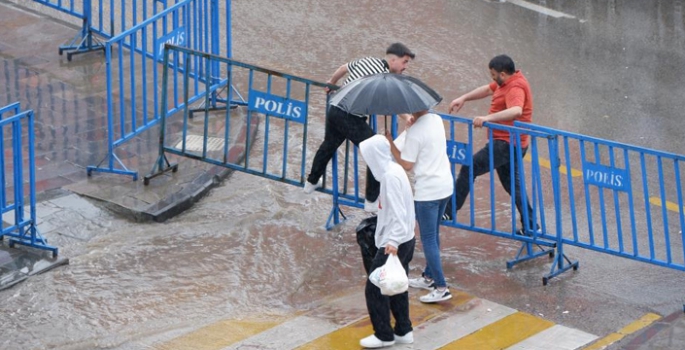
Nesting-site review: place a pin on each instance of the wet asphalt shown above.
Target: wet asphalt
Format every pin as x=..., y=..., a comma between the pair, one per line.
x=612, y=71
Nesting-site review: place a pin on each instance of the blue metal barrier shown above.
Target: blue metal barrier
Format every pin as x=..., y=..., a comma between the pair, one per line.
x=21, y=230
x=105, y=18
x=278, y=101
x=84, y=41
x=133, y=59
x=621, y=199
x=487, y=215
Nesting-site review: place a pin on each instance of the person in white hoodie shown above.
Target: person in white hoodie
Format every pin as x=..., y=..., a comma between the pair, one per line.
x=394, y=235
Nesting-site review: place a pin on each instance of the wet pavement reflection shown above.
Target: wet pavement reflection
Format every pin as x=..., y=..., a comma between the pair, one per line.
x=258, y=248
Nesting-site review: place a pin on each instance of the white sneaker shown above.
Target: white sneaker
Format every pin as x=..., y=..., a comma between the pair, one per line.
x=310, y=187
x=422, y=283
x=405, y=339
x=371, y=342
x=371, y=207
x=436, y=296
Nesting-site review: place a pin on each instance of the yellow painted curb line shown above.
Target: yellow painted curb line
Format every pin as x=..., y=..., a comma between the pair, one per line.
x=545, y=163
x=633, y=327
x=669, y=205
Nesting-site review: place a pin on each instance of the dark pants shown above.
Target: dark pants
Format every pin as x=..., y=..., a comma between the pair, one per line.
x=481, y=165
x=380, y=306
x=341, y=126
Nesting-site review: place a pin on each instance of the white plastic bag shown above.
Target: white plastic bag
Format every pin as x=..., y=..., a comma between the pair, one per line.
x=391, y=277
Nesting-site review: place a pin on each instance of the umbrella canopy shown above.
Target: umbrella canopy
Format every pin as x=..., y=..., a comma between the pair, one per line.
x=385, y=93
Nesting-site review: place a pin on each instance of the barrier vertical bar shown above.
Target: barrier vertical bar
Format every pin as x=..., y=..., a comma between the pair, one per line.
x=588, y=204
x=266, y=128
x=664, y=213
x=558, y=265
x=162, y=164
x=617, y=204
x=631, y=204
x=645, y=189
x=215, y=49
x=284, y=168
x=18, y=175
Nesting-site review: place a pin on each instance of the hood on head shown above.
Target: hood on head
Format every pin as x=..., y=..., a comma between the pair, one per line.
x=376, y=153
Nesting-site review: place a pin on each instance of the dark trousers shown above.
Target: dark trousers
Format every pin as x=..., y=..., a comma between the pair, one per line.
x=380, y=306
x=481, y=165
x=341, y=126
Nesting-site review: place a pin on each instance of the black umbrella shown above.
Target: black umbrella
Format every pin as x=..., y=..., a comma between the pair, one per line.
x=385, y=93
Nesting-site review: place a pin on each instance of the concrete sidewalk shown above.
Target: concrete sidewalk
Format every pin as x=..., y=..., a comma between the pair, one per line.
x=69, y=102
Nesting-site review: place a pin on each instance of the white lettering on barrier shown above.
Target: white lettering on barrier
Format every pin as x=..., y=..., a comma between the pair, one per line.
x=276, y=105
x=604, y=176
x=457, y=152
x=176, y=37
x=607, y=178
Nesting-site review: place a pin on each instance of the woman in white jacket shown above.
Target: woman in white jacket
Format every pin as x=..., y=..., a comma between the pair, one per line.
x=394, y=235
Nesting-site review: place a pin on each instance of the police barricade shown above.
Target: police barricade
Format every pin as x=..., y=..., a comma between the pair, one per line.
x=270, y=121
x=134, y=62
x=489, y=208
x=17, y=139
x=105, y=18
x=621, y=199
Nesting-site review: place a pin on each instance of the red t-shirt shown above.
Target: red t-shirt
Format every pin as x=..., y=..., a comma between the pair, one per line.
x=514, y=92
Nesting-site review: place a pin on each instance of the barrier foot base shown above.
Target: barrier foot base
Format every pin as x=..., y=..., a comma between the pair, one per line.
x=529, y=254
x=34, y=240
x=90, y=169
x=162, y=166
x=334, y=217
x=82, y=43
x=561, y=264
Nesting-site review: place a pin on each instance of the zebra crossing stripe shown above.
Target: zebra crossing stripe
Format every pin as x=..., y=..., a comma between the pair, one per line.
x=220, y=334
x=502, y=333
x=348, y=337
x=288, y=335
x=556, y=337
x=633, y=327
x=447, y=328
x=464, y=322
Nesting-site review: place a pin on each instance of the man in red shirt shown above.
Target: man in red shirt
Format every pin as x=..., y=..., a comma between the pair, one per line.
x=511, y=100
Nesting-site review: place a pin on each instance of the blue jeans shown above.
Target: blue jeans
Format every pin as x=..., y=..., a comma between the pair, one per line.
x=428, y=215
x=481, y=165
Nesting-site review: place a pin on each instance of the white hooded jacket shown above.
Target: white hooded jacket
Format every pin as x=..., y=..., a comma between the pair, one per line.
x=396, y=218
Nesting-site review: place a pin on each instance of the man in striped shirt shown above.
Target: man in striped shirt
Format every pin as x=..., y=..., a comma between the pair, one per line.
x=341, y=125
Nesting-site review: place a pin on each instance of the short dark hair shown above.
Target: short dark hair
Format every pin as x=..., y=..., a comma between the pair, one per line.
x=502, y=63
x=399, y=50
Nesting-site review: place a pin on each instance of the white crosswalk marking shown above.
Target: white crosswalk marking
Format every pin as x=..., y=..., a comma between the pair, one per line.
x=556, y=337
x=444, y=330
x=540, y=9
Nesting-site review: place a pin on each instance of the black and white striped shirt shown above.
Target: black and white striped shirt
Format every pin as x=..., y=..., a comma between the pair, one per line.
x=365, y=66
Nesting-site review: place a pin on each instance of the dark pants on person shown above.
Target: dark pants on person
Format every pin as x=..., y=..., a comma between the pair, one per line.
x=501, y=162
x=380, y=306
x=340, y=126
